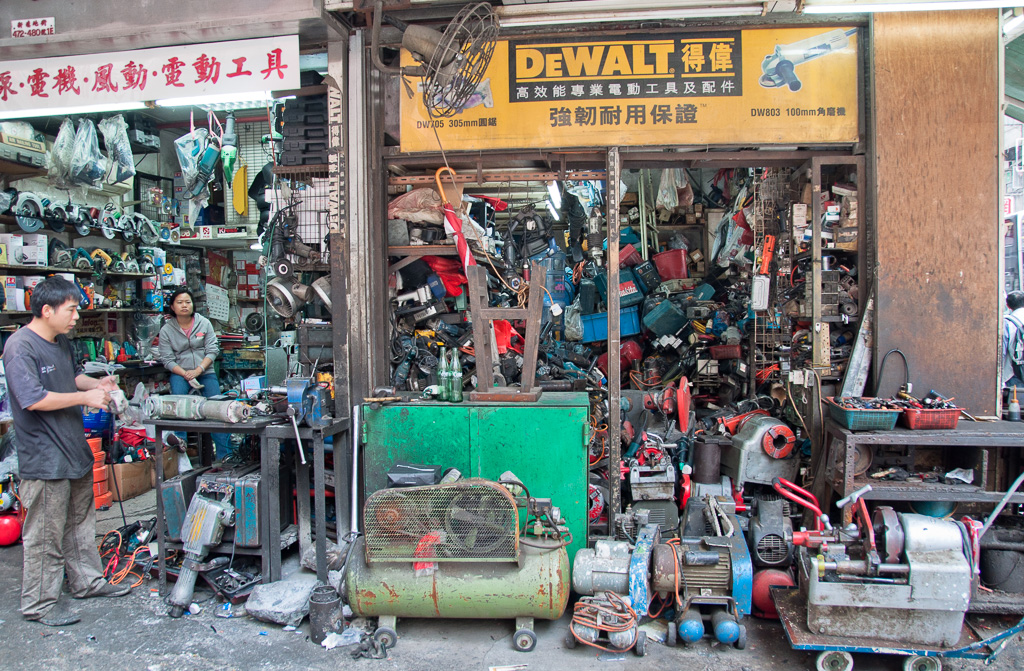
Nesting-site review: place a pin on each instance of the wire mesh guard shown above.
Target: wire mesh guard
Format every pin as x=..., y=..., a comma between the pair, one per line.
x=472, y=520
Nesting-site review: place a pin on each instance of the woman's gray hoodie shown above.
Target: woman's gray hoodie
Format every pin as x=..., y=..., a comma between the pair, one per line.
x=177, y=349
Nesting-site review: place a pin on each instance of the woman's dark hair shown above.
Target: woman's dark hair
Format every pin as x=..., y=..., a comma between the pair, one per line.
x=55, y=292
x=169, y=306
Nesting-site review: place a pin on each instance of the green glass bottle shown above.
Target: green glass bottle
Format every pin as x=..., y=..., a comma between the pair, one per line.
x=442, y=375
x=455, y=371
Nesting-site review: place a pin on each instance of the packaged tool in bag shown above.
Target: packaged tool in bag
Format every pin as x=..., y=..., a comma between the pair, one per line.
x=119, y=149
x=88, y=167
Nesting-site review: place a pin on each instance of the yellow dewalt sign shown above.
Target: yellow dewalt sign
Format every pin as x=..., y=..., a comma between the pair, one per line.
x=764, y=86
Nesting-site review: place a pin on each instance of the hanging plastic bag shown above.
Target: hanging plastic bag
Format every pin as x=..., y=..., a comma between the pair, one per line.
x=668, y=187
x=60, y=155
x=189, y=149
x=574, y=321
x=88, y=167
x=119, y=149
x=684, y=191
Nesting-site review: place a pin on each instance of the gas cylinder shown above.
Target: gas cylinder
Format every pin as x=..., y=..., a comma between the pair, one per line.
x=10, y=529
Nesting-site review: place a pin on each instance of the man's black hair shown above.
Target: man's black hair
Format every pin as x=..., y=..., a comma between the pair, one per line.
x=55, y=292
x=1014, y=300
x=169, y=306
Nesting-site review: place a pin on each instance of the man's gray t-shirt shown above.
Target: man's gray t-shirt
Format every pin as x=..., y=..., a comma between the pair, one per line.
x=51, y=444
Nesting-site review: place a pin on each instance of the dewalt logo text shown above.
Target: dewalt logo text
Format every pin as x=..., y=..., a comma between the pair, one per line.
x=705, y=64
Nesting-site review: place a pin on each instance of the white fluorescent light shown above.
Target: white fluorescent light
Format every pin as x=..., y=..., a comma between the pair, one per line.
x=65, y=111
x=1013, y=24
x=923, y=6
x=558, y=13
x=552, y=210
x=248, y=100
x=556, y=194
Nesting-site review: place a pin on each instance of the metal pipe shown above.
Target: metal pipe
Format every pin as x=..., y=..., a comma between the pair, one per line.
x=996, y=545
x=298, y=438
x=855, y=567
x=1002, y=504
x=354, y=519
x=378, y=11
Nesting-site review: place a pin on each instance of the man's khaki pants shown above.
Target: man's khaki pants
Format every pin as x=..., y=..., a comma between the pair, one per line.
x=59, y=536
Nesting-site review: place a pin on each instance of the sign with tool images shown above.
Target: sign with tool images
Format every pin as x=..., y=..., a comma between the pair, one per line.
x=763, y=86
x=218, y=68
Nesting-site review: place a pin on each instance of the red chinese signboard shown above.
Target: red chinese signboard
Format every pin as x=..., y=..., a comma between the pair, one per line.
x=219, y=68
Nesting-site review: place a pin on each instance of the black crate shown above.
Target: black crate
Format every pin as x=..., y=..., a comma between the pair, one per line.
x=296, y=158
x=305, y=131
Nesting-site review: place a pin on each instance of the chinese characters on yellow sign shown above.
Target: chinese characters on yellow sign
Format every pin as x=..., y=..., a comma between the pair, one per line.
x=738, y=87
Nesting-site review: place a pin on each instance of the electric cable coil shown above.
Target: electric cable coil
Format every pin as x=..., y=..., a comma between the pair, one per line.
x=608, y=613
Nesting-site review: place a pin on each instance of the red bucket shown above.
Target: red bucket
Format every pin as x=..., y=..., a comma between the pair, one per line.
x=671, y=264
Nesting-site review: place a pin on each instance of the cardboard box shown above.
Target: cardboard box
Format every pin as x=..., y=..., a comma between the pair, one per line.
x=170, y=467
x=34, y=249
x=14, y=242
x=126, y=481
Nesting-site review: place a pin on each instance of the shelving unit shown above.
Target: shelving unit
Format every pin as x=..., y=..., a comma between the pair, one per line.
x=972, y=446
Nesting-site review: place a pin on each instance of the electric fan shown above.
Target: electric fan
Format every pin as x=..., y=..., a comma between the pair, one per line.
x=451, y=63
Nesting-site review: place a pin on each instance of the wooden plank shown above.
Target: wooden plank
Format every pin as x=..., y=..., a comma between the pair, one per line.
x=936, y=146
x=481, y=327
x=538, y=276
x=505, y=395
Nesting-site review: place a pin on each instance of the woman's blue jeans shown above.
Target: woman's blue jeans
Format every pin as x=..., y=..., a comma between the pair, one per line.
x=211, y=387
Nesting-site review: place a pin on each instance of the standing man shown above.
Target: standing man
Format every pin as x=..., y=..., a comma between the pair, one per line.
x=1013, y=341
x=47, y=389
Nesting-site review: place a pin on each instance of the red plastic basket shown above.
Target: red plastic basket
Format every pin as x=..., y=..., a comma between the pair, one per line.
x=926, y=418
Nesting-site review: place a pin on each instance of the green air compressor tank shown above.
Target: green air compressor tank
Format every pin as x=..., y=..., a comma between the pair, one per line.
x=539, y=588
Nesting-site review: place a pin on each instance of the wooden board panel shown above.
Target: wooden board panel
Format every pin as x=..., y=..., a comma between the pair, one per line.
x=936, y=173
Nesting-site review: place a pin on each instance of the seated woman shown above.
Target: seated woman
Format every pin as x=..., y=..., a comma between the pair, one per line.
x=188, y=347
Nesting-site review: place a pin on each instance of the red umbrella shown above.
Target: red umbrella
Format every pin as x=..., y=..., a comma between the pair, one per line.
x=455, y=222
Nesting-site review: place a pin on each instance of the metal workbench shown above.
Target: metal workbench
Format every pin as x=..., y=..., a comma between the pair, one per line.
x=338, y=479
x=272, y=539
x=841, y=455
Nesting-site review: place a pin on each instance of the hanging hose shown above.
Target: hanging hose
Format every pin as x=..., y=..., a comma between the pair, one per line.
x=610, y=614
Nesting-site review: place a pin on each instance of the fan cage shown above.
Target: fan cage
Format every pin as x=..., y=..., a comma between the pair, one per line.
x=772, y=550
x=471, y=36
x=472, y=520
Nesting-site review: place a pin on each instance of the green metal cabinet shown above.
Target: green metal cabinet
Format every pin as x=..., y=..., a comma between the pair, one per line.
x=543, y=443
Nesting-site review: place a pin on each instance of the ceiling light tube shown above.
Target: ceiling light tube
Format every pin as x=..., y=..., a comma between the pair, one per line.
x=556, y=194
x=1013, y=24
x=923, y=6
x=65, y=111
x=552, y=210
x=251, y=98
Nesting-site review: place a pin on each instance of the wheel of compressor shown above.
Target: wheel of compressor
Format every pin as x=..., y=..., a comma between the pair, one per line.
x=254, y=322
x=834, y=660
